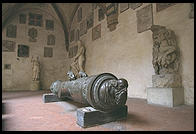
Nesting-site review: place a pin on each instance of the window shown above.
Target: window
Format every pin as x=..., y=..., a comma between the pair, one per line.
x=35, y=19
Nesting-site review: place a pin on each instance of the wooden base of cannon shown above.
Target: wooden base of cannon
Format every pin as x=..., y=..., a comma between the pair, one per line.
x=88, y=116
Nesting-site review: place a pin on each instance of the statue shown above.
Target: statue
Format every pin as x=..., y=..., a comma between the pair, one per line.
x=104, y=91
x=165, y=52
x=35, y=68
x=77, y=67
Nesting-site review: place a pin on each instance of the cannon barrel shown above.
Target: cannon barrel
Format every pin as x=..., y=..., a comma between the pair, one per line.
x=104, y=91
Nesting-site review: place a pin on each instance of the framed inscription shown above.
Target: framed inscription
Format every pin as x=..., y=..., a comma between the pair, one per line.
x=72, y=35
x=8, y=46
x=22, y=18
x=90, y=20
x=162, y=6
x=79, y=15
x=49, y=25
x=32, y=33
x=144, y=18
x=11, y=31
x=101, y=14
x=135, y=5
x=124, y=7
x=23, y=50
x=7, y=66
x=48, y=52
x=96, y=32
x=83, y=27
x=51, y=40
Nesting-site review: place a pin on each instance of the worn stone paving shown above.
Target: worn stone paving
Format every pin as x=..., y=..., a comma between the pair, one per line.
x=27, y=112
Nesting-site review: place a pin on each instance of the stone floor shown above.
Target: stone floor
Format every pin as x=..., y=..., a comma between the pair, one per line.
x=25, y=111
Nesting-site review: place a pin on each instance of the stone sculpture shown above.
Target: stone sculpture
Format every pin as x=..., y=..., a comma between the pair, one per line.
x=35, y=68
x=77, y=67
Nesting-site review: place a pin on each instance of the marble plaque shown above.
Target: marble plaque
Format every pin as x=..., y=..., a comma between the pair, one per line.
x=72, y=35
x=135, y=5
x=96, y=32
x=162, y=6
x=124, y=7
x=48, y=52
x=8, y=46
x=144, y=18
x=51, y=39
x=79, y=15
x=49, y=25
x=101, y=14
x=83, y=27
x=22, y=18
x=11, y=31
x=90, y=20
x=23, y=51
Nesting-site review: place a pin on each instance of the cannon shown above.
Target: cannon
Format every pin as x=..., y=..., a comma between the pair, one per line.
x=105, y=93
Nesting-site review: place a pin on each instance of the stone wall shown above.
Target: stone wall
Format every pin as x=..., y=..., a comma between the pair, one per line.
x=128, y=54
x=19, y=77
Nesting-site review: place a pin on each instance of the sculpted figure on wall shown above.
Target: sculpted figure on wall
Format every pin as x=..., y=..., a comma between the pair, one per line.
x=35, y=68
x=77, y=67
x=165, y=51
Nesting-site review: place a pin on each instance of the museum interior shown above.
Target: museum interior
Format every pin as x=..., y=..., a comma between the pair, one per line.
x=98, y=66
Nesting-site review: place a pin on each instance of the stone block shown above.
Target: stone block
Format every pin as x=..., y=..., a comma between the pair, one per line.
x=88, y=116
x=35, y=85
x=167, y=80
x=168, y=97
x=50, y=97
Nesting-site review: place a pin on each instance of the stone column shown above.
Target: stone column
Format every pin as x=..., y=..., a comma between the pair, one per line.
x=167, y=87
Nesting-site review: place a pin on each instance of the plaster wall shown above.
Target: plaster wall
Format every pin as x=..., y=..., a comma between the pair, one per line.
x=52, y=68
x=128, y=54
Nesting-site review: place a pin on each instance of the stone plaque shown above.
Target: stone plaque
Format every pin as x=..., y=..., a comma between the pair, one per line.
x=77, y=35
x=22, y=18
x=11, y=31
x=124, y=7
x=23, y=51
x=96, y=32
x=7, y=66
x=144, y=18
x=49, y=25
x=8, y=46
x=101, y=14
x=48, y=52
x=90, y=20
x=135, y=5
x=161, y=6
x=72, y=35
x=83, y=27
x=32, y=33
x=79, y=15
x=51, y=39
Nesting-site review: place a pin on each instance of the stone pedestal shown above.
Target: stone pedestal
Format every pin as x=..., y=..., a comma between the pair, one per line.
x=88, y=116
x=35, y=85
x=167, y=90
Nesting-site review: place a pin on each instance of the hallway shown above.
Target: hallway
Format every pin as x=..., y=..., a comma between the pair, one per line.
x=27, y=112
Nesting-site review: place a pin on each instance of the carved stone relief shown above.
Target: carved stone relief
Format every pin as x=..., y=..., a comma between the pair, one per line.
x=8, y=46
x=11, y=31
x=165, y=51
x=124, y=7
x=90, y=20
x=191, y=14
x=32, y=33
x=48, y=52
x=83, y=27
x=51, y=40
x=23, y=51
x=101, y=14
x=135, y=5
x=22, y=18
x=144, y=18
x=162, y=6
x=96, y=32
x=49, y=25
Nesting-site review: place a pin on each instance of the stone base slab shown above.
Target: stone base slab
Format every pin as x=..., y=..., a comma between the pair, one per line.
x=168, y=97
x=88, y=116
x=35, y=85
x=50, y=97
